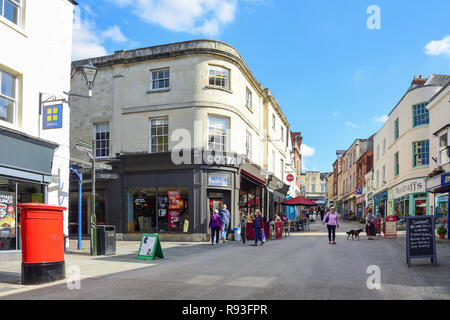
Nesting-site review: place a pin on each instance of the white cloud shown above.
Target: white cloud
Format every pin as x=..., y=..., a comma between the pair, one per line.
x=438, y=47
x=353, y=125
x=206, y=17
x=88, y=40
x=307, y=151
x=381, y=119
x=114, y=34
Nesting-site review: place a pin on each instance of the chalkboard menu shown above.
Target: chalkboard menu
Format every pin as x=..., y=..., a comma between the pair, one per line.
x=420, y=238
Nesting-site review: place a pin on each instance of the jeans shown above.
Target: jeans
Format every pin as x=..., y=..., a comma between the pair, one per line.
x=215, y=233
x=258, y=235
x=225, y=230
x=331, y=231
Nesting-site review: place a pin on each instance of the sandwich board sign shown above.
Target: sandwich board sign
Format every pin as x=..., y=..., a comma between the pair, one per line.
x=390, y=227
x=420, y=238
x=150, y=247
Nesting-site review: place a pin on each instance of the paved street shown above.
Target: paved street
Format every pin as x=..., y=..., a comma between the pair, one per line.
x=302, y=266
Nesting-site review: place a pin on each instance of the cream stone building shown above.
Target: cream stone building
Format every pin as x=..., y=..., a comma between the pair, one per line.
x=438, y=183
x=185, y=123
x=314, y=185
x=402, y=153
x=35, y=53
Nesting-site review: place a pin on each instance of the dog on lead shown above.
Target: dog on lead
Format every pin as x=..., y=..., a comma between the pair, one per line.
x=354, y=233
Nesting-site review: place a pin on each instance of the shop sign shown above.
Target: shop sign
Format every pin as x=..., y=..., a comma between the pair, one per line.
x=391, y=227
x=53, y=117
x=411, y=186
x=445, y=180
x=150, y=247
x=7, y=214
x=219, y=179
x=358, y=191
x=290, y=178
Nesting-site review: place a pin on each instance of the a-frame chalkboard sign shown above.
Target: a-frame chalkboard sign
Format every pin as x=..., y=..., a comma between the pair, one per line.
x=420, y=238
x=150, y=247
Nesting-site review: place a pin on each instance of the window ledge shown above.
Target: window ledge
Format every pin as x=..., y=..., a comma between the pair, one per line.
x=13, y=26
x=218, y=88
x=158, y=91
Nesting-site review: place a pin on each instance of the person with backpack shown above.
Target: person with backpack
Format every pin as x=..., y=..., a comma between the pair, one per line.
x=332, y=221
x=215, y=224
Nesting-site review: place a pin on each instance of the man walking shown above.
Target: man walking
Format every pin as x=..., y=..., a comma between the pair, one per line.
x=226, y=218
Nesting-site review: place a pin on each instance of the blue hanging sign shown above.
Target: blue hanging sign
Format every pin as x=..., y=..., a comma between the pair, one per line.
x=53, y=117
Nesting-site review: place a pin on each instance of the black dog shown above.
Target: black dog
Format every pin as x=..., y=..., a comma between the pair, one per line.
x=354, y=233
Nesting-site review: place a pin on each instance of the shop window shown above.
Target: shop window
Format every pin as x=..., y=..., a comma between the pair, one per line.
x=165, y=209
x=401, y=207
x=420, y=204
x=173, y=209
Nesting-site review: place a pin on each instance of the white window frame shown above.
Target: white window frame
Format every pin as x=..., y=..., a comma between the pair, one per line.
x=12, y=99
x=108, y=140
x=165, y=122
x=248, y=145
x=217, y=132
x=216, y=75
x=248, y=99
x=19, y=13
x=442, y=150
x=159, y=79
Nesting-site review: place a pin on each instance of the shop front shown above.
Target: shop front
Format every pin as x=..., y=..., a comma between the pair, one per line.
x=439, y=185
x=175, y=201
x=410, y=198
x=380, y=203
x=23, y=179
x=360, y=205
x=277, y=195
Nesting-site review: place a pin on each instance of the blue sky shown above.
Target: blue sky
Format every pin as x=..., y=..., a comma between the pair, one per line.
x=335, y=78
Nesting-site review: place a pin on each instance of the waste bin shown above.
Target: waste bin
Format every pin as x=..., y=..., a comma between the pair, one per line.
x=106, y=240
x=42, y=243
x=237, y=234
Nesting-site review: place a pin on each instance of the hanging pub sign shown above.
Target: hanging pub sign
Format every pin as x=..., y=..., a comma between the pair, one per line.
x=150, y=247
x=7, y=214
x=420, y=238
x=53, y=117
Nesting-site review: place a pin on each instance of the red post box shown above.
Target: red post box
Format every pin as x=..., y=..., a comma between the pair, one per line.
x=42, y=243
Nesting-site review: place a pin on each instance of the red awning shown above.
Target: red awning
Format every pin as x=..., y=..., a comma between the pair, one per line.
x=252, y=177
x=299, y=201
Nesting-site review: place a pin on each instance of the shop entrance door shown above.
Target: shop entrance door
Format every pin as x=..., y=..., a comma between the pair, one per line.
x=215, y=202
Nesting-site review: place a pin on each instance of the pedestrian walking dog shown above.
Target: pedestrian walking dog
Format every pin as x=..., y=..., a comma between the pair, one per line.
x=354, y=234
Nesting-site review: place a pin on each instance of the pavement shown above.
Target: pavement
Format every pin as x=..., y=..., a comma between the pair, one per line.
x=301, y=266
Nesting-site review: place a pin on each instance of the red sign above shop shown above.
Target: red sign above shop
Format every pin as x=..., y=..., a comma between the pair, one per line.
x=290, y=178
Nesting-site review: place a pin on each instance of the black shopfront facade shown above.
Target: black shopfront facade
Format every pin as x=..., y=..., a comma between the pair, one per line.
x=154, y=195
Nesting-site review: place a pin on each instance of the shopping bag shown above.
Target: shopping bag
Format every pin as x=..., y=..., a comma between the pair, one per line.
x=263, y=236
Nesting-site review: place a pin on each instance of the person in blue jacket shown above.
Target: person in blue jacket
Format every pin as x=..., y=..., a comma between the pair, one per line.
x=226, y=219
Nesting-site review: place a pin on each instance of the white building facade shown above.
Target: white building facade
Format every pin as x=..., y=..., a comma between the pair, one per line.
x=34, y=64
x=156, y=115
x=402, y=154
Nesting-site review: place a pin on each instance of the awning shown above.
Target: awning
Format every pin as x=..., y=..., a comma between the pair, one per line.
x=253, y=178
x=300, y=201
